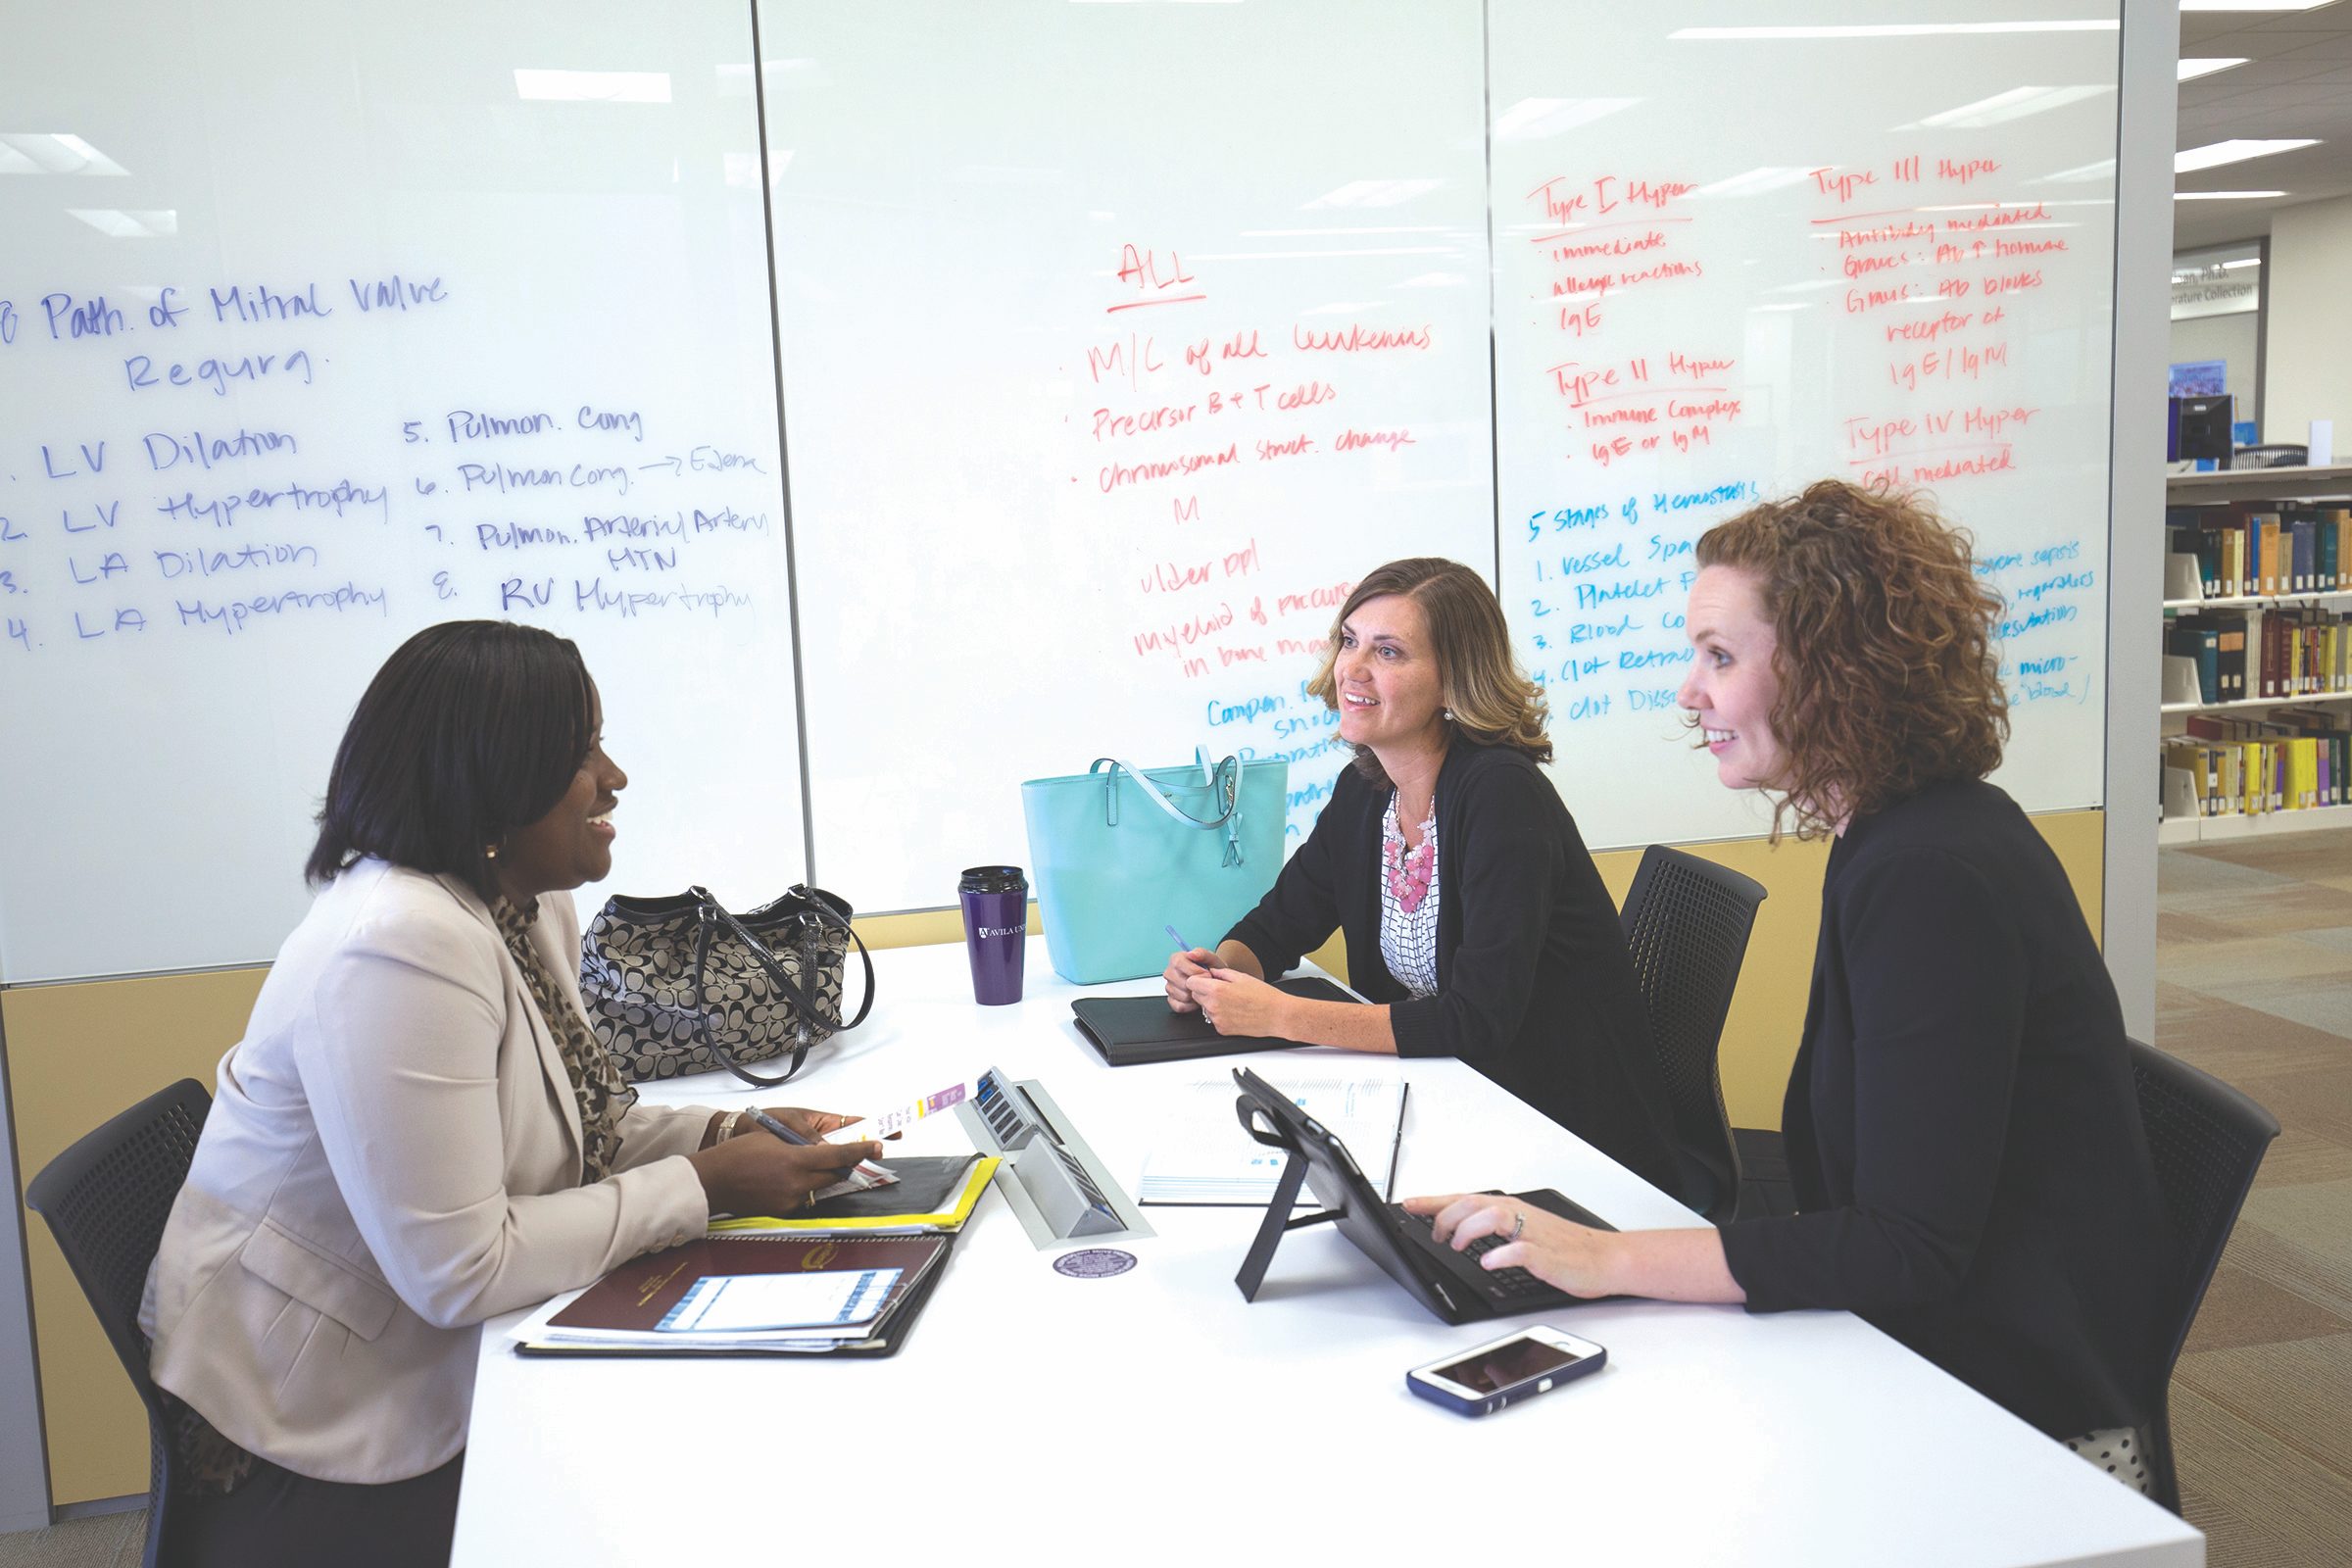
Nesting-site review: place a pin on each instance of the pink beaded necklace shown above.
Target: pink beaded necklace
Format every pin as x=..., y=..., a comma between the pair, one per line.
x=1409, y=870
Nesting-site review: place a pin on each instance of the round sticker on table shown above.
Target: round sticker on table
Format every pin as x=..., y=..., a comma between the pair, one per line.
x=1094, y=1263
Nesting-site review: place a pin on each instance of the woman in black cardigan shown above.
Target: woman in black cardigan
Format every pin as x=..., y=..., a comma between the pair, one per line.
x=1501, y=947
x=1971, y=1170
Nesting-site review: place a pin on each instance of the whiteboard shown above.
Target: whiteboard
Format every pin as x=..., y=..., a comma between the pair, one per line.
x=320, y=327
x=1118, y=341
x=1036, y=377
x=1740, y=247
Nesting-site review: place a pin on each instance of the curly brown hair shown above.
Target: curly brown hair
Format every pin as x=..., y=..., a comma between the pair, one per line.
x=1488, y=698
x=1888, y=681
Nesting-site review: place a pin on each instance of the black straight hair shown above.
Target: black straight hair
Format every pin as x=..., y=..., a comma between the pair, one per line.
x=472, y=729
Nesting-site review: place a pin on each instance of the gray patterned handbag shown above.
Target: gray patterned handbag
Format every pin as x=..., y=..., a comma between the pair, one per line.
x=679, y=985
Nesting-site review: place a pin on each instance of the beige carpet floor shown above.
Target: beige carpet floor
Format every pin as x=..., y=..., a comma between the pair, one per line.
x=2254, y=985
x=2254, y=966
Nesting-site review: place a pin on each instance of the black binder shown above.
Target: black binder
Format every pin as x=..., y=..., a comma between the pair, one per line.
x=1127, y=1030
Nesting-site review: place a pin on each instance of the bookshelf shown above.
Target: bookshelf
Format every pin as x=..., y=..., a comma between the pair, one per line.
x=2331, y=484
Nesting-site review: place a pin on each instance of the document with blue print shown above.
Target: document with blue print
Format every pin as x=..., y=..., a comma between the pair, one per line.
x=754, y=1303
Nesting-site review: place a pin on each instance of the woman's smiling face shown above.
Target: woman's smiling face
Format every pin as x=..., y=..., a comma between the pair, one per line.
x=1386, y=675
x=572, y=844
x=1731, y=687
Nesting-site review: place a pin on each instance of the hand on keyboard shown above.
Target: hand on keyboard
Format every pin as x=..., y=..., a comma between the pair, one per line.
x=1506, y=1235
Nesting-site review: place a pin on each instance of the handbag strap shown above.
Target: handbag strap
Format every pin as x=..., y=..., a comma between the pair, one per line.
x=709, y=913
x=1225, y=778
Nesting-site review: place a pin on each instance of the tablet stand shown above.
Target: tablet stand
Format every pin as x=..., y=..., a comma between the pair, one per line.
x=1278, y=1211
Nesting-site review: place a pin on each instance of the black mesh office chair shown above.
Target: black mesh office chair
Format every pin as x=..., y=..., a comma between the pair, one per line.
x=106, y=1200
x=1686, y=923
x=2207, y=1140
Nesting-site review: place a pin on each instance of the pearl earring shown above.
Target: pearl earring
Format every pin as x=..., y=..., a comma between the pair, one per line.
x=489, y=852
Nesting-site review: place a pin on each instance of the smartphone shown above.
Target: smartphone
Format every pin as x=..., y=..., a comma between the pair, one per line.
x=1484, y=1379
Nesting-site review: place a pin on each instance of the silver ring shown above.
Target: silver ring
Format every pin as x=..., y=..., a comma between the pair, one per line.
x=1518, y=1222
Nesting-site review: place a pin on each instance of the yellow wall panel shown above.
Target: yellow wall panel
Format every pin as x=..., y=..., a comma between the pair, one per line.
x=76, y=1055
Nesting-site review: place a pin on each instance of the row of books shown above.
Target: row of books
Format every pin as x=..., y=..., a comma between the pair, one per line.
x=2277, y=654
x=2244, y=552
x=2246, y=767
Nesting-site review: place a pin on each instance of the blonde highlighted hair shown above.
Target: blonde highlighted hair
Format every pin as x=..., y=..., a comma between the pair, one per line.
x=1491, y=701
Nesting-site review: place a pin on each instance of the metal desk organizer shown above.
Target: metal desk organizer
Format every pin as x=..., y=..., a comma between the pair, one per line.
x=1058, y=1186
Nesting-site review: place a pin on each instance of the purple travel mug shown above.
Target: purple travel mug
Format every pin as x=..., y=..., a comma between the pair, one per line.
x=995, y=931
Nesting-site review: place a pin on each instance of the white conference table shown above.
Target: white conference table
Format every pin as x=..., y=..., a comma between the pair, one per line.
x=1157, y=1416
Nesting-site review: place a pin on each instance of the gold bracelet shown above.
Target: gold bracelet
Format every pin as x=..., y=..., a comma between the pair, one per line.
x=726, y=1127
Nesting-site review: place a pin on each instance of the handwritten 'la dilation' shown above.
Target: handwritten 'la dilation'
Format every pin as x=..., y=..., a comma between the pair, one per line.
x=153, y=515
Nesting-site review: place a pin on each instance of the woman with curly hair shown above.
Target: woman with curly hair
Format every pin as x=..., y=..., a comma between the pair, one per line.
x=1965, y=1140
x=1476, y=921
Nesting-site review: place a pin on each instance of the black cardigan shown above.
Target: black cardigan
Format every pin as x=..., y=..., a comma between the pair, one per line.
x=1535, y=986
x=1965, y=1140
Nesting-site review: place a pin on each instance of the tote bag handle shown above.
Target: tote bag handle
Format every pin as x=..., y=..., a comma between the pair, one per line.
x=1223, y=778
x=710, y=911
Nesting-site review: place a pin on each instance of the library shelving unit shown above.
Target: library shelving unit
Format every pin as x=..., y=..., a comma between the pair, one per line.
x=2216, y=489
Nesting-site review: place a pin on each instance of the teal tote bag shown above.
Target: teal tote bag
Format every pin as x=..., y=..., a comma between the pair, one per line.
x=1118, y=852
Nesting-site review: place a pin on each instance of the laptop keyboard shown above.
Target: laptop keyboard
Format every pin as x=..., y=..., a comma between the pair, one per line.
x=1499, y=1285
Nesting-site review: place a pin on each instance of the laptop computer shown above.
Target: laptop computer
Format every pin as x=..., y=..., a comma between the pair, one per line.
x=1452, y=1284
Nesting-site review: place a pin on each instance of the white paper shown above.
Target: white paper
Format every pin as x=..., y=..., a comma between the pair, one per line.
x=751, y=1303
x=1201, y=1155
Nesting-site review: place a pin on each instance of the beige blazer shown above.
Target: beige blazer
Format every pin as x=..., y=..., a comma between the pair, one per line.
x=393, y=1155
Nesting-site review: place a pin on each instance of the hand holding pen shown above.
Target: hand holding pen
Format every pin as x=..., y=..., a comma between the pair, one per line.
x=874, y=1174
x=778, y=1174
x=1187, y=964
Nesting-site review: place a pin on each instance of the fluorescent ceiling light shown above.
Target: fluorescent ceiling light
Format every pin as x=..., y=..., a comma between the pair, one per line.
x=1374, y=193
x=2015, y=104
x=1757, y=181
x=1892, y=30
x=2080, y=173
x=2237, y=150
x=2192, y=69
x=1531, y=119
x=2226, y=195
x=592, y=87
x=55, y=152
x=1317, y=234
x=2247, y=261
x=116, y=223
x=1316, y=256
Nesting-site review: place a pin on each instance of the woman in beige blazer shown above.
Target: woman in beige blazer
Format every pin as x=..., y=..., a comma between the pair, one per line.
x=418, y=1131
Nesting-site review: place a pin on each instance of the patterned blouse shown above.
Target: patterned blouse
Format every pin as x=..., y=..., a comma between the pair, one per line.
x=604, y=1096
x=1408, y=942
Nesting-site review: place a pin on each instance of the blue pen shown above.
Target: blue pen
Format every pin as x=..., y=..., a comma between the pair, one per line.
x=1177, y=937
